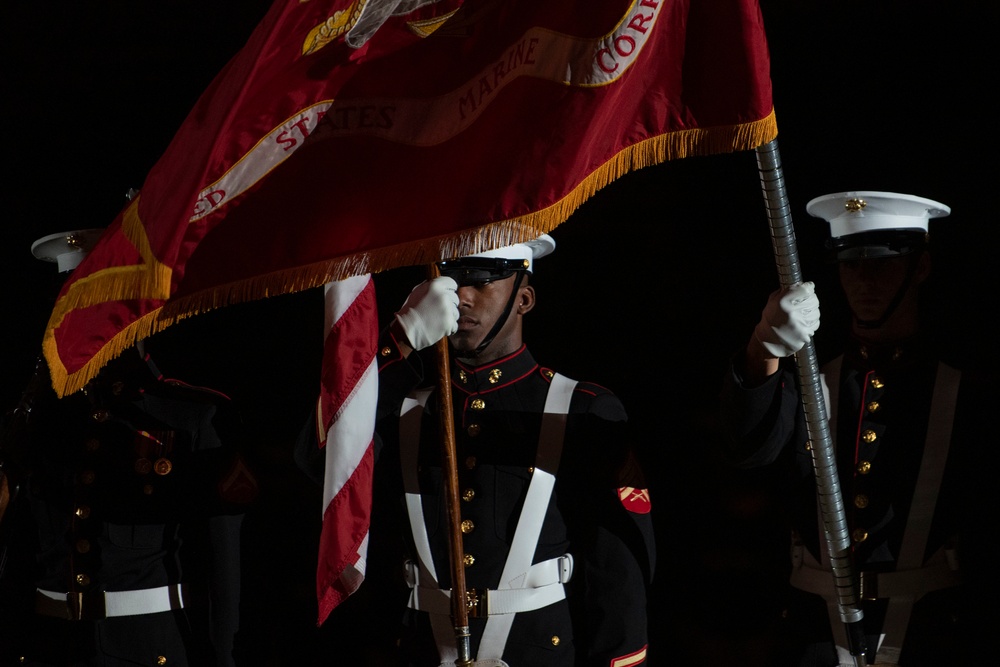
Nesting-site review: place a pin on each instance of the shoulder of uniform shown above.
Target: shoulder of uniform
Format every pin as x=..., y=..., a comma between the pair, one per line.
x=583, y=386
x=590, y=397
x=593, y=389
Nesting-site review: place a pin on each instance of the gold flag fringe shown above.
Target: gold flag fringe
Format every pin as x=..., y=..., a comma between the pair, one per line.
x=130, y=282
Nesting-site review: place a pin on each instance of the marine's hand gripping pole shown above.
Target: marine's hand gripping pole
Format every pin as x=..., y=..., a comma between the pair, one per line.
x=459, y=605
x=824, y=460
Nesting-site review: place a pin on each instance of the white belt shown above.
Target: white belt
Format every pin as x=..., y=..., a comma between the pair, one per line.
x=543, y=586
x=107, y=604
x=938, y=573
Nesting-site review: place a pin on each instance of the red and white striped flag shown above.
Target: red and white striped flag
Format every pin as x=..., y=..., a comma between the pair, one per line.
x=345, y=419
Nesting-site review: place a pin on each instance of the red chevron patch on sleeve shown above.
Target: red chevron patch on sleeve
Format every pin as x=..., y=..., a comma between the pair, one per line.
x=635, y=500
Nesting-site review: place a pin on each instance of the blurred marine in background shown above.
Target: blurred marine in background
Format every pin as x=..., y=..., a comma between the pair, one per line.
x=909, y=431
x=120, y=513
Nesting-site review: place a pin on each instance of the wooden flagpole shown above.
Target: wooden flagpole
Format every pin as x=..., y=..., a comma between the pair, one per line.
x=459, y=606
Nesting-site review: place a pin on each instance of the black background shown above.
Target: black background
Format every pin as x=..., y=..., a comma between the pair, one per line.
x=655, y=281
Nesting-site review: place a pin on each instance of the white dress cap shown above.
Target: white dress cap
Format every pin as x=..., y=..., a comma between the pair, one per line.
x=66, y=249
x=860, y=211
x=529, y=250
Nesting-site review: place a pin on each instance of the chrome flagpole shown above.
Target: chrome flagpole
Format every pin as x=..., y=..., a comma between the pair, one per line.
x=820, y=443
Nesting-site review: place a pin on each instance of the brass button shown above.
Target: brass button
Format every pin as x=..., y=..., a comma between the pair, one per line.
x=555, y=640
x=876, y=382
x=87, y=477
x=859, y=535
x=161, y=660
x=474, y=430
x=549, y=374
x=82, y=579
x=163, y=466
x=495, y=375
x=82, y=512
x=468, y=559
x=864, y=467
x=468, y=495
x=143, y=466
x=117, y=387
x=92, y=444
x=478, y=404
x=470, y=462
x=864, y=352
x=147, y=489
x=467, y=526
x=101, y=415
x=82, y=546
x=873, y=406
x=463, y=377
x=869, y=435
x=809, y=445
x=385, y=351
x=861, y=501
x=531, y=469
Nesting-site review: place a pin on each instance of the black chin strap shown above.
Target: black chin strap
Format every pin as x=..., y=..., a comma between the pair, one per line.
x=896, y=300
x=503, y=317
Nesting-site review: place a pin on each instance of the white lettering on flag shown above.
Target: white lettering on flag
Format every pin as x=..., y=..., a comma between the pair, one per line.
x=273, y=149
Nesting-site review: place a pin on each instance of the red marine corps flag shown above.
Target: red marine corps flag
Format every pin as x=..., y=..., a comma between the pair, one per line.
x=349, y=138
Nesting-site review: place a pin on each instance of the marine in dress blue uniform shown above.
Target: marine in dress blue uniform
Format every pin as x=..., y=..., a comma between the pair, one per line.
x=124, y=536
x=904, y=424
x=577, y=593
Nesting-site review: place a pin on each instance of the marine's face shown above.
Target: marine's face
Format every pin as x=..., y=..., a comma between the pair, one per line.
x=480, y=305
x=871, y=284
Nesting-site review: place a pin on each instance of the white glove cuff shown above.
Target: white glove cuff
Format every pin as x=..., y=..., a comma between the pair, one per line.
x=769, y=339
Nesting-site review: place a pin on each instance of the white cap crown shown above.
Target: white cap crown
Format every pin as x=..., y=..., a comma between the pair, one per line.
x=860, y=211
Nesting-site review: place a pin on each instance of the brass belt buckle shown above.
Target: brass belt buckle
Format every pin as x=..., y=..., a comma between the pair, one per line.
x=476, y=603
x=86, y=607
x=868, y=585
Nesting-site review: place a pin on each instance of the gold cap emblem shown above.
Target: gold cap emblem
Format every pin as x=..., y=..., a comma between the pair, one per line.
x=854, y=205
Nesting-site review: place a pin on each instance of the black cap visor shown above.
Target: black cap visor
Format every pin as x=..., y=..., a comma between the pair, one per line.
x=875, y=245
x=478, y=270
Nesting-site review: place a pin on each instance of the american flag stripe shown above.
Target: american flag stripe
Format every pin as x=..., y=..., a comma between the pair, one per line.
x=346, y=424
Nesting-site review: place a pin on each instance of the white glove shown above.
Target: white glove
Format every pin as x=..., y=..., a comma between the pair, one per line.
x=789, y=320
x=430, y=312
